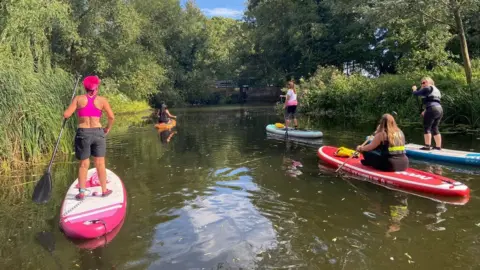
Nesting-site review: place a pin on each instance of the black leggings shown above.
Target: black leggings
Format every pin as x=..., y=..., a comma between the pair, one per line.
x=290, y=112
x=431, y=119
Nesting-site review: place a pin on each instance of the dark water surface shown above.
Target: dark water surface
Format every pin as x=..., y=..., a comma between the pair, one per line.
x=221, y=194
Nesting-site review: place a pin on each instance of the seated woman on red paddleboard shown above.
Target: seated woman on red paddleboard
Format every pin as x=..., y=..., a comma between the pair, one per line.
x=164, y=115
x=90, y=136
x=386, y=152
x=433, y=113
x=290, y=105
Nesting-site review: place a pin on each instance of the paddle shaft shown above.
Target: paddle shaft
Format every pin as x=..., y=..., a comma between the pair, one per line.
x=285, y=117
x=419, y=102
x=61, y=130
x=354, y=153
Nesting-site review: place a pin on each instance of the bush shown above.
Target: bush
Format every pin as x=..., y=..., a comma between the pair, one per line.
x=329, y=92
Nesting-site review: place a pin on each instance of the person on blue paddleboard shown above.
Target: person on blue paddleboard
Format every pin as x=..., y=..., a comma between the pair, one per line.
x=90, y=136
x=386, y=151
x=164, y=115
x=290, y=105
x=432, y=114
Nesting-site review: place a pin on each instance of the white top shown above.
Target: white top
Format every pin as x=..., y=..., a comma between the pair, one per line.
x=292, y=95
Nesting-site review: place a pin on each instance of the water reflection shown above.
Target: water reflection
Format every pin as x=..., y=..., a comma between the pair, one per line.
x=433, y=168
x=166, y=136
x=222, y=193
x=294, y=140
x=222, y=227
x=292, y=167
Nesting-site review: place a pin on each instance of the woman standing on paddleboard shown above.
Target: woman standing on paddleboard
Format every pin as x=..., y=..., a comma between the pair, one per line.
x=90, y=136
x=290, y=105
x=433, y=113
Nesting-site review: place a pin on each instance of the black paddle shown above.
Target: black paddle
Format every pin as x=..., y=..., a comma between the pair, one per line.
x=47, y=241
x=419, y=102
x=43, y=189
x=353, y=155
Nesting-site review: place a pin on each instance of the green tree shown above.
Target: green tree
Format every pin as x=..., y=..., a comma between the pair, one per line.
x=421, y=28
x=308, y=34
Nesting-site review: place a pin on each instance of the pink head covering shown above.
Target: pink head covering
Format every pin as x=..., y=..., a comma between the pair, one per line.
x=91, y=83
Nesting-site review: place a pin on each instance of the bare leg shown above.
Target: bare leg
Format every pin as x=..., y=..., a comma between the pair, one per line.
x=101, y=171
x=428, y=138
x=287, y=123
x=82, y=172
x=295, y=122
x=438, y=140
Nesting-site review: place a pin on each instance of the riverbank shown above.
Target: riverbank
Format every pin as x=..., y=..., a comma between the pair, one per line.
x=330, y=93
x=32, y=113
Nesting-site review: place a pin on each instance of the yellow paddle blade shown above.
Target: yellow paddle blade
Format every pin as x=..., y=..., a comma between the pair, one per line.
x=279, y=125
x=344, y=152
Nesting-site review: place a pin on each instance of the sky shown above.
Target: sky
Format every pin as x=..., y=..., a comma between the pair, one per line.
x=223, y=8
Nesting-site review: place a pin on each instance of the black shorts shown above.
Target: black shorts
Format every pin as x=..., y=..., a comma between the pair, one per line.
x=90, y=142
x=431, y=119
x=290, y=111
x=163, y=121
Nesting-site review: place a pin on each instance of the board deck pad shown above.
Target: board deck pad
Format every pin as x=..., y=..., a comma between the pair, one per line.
x=447, y=155
x=95, y=215
x=294, y=132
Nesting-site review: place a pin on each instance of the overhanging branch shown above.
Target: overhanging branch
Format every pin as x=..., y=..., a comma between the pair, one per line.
x=436, y=19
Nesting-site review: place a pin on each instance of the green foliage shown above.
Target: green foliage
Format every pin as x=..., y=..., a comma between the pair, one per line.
x=122, y=104
x=31, y=108
x=382, y=37
x=148, y=50
x=26, y=27
x=143, y=50
x=330, y=92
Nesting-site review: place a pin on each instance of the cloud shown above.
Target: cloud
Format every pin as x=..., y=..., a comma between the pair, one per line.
x=223, y=12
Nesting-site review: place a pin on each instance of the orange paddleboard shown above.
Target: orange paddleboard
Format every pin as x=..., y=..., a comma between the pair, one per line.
x=170, y=125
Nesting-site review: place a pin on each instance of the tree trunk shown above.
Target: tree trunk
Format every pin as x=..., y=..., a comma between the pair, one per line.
x=463, y=41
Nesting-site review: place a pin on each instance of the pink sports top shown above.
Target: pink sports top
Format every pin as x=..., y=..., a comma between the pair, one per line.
x=89, y=110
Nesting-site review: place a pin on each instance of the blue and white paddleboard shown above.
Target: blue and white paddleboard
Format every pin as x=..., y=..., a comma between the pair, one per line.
x=446, y=155
x=294, y=132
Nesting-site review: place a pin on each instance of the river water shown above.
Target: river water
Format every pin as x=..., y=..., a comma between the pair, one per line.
x=221, y=194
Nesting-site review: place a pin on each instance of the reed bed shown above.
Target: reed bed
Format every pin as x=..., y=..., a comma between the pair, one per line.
x=31, y=108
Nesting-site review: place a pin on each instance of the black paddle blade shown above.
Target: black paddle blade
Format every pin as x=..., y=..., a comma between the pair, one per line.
x=43, y=189
x=46, y=240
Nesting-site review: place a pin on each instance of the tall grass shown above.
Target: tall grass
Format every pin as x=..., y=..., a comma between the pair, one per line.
x=121, y=104
x=31, y=107
x=331, y=93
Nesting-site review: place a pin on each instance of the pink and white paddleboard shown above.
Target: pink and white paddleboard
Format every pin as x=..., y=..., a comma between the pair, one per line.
x=95, y=215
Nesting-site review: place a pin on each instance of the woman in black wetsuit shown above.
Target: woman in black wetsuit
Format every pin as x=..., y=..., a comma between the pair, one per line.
x=433, y=113
x=386, y=152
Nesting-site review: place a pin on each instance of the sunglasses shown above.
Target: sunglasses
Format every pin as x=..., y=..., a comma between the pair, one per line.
x=424, y=82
